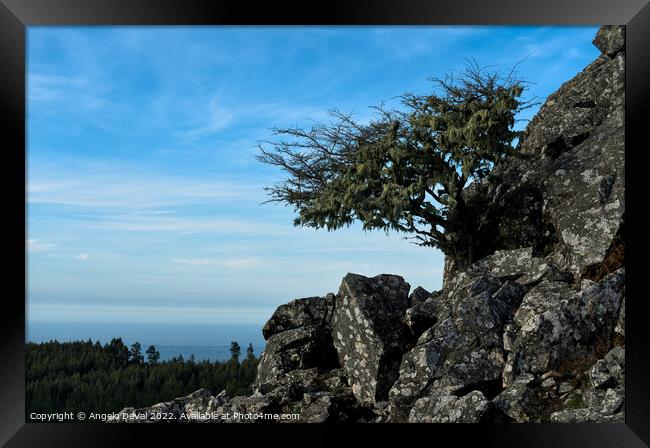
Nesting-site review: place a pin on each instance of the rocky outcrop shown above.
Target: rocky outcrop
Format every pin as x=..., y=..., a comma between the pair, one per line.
x=610, y=40
x=299, y=336
x=531, y=332
x=462, y=350
x=367, y=336
x=555, y=324
x=565, y=194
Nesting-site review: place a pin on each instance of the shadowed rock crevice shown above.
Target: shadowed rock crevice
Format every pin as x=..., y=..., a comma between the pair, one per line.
x=489, y=389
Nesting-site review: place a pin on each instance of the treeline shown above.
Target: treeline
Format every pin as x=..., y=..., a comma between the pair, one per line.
x=90, y=377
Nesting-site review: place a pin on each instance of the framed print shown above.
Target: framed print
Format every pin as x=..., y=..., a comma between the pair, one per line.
x=375, y=217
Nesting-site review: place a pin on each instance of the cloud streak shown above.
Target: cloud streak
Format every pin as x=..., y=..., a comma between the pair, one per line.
x=112, y=187
x=34, y=245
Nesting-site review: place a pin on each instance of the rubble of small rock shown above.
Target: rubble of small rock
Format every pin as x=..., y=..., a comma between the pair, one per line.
x=532, y=332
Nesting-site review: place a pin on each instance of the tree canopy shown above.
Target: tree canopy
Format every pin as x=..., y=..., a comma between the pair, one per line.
x=86, y=376
x=404, y=170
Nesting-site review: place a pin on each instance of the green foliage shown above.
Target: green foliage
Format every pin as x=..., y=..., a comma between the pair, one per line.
x=82, y=376
x=135, y=355
x=250, y=352
x=153, y=355
x=235, y=351
x=575, y=402
x=406, y=169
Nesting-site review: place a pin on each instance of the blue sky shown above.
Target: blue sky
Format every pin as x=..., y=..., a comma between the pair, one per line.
x=143, y=191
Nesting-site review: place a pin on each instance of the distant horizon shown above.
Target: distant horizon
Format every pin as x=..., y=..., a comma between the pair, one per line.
x=143, y=192
x=209, y=341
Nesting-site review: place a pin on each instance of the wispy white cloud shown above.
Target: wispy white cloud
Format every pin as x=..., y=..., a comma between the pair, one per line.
x=539, y=45
x=82, y=256
x=237, y=263
x=47, y=87
x=64, y=312
x=218, y=118
x=233, y=263
x=55, y=91
x=141, y=223
x=402, y=43
x=193, y=261
x=113, y=188
x=34, y=245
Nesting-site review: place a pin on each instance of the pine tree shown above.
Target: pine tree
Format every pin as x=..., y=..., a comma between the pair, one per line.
x=153, y=355
x=235, y=351
x=250, y=352
x=135, y=355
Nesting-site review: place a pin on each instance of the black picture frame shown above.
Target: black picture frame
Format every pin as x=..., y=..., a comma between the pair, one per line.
x=16, y=15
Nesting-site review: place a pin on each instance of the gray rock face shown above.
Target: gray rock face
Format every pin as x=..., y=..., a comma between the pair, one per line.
x=423, y=315
x=299, y=348
x=580, y=129
x=515, y=401
x=612, y=401
x=464, y=348
x=604, y=399
x=555, y=324
x=565, y=388
x=369, y=334
x=518, y=265
x=299, y=313
x=609, y=371
x=566, y=193
x=317, y=407
x=292, y=385
x=418, y=296
x=586, y=415
x=593, y=398
x=327, y=407
x=610, y=39
x=299, y=337
x=469, y=408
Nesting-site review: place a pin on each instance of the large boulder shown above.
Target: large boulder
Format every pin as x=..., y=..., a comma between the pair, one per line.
x=518, y=268
x=555, y=324
x=299, y=313
x=299, y=337
x=369, y=333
